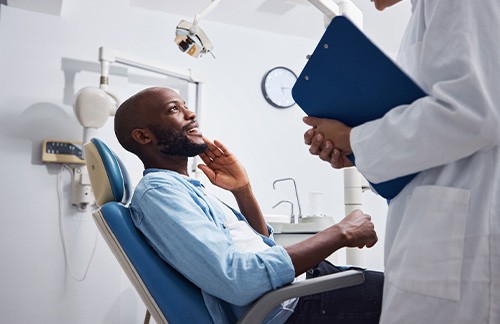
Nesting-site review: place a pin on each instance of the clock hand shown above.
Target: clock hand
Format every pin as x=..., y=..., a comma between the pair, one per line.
x=283, y=89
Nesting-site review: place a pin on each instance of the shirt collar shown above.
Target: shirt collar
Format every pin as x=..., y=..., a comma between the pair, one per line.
x=195, y=182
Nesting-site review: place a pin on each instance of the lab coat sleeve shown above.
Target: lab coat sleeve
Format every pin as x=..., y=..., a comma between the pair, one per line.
x=457, y=62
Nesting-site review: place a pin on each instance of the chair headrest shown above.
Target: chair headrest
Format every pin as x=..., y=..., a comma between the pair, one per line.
x=108, y=177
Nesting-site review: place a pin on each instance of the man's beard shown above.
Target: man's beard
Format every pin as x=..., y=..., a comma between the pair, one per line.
x=176, y=143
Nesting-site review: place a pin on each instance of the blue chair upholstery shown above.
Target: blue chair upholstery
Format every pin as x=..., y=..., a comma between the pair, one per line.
x=166, y=293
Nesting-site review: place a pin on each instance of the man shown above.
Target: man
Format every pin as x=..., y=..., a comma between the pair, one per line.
x=228, y=254
x=442, y=245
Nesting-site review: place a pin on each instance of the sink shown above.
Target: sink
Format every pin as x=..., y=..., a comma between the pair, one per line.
x=277, y=218
x=307, y=225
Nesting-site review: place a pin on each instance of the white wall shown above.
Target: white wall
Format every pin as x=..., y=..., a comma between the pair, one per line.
x=35, y=104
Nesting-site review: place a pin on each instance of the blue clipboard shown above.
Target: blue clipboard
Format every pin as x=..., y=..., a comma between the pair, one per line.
x=350, y=79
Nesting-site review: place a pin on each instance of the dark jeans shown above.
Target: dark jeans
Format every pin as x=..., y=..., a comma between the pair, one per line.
x=357, y=304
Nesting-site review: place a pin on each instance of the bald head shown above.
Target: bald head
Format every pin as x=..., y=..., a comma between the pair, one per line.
x=156, y=125
x=139, y=111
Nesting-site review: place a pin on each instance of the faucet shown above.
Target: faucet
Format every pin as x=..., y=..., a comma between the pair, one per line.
x=292, y=215
x=299, y=216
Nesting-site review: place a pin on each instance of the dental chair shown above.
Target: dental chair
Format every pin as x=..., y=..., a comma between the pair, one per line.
x=167, y=294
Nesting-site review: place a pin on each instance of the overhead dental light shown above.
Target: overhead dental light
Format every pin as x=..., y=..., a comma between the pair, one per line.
x=190, y=38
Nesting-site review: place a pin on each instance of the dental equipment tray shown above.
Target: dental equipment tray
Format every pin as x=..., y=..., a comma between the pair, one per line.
x=350, y=79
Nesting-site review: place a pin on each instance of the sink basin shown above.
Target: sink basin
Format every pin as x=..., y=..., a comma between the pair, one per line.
x=307, y=225
x=277, y=218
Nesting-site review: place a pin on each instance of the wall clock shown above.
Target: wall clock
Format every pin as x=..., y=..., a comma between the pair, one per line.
x=277, y=87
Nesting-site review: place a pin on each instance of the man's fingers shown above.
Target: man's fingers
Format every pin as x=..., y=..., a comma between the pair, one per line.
x=214, y=148
x=316, y=144
x=308, y=136
x=311, y=121
x=335, y=160
x=326, y=152
x=222, y=148
x=205, y=158
x=207, y=171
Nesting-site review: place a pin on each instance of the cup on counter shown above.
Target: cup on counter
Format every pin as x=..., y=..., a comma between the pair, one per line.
x=314, y=204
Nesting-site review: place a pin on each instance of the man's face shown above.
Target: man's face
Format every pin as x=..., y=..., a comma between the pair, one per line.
x=382, y=4
x=176, y=129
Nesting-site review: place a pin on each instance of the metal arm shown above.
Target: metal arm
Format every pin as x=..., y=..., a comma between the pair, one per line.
x=332, y=8
x=107, y=56
x=205, y=11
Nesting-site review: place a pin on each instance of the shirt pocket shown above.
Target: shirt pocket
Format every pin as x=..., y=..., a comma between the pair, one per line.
x=427, y=253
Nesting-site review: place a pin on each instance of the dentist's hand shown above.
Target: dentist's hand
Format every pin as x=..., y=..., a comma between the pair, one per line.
x=329, y=139
x=222, y=167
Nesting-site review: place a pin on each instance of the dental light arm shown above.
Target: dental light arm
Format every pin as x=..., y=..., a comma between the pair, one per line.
x=190, y=38
x=205, y=11
x=108, y=56
x=332, y=8
x=93, y=106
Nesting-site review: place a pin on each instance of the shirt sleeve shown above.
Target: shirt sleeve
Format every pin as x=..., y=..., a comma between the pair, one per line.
x=456, y=60
x=181, y=231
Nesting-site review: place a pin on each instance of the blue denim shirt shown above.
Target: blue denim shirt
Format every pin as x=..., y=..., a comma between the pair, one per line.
x=189, y=232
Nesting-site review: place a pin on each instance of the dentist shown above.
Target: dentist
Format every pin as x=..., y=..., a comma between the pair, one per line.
x=442, y=244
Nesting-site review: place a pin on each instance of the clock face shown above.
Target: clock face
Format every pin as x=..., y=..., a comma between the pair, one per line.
x=277, y=87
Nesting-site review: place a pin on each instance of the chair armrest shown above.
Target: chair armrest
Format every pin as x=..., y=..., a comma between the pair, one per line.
x=260, y=308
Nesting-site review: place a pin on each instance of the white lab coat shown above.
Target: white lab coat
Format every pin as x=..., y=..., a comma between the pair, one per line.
x=442, y=245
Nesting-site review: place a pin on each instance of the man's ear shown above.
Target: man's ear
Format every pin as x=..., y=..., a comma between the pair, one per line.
x=142, y=135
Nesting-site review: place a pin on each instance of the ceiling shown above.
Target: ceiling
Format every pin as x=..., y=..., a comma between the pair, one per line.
x=290, y=17
x=52, y=7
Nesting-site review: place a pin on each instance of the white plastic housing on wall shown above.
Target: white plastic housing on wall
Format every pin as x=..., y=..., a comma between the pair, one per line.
x=81, y=191
x=353, y=188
